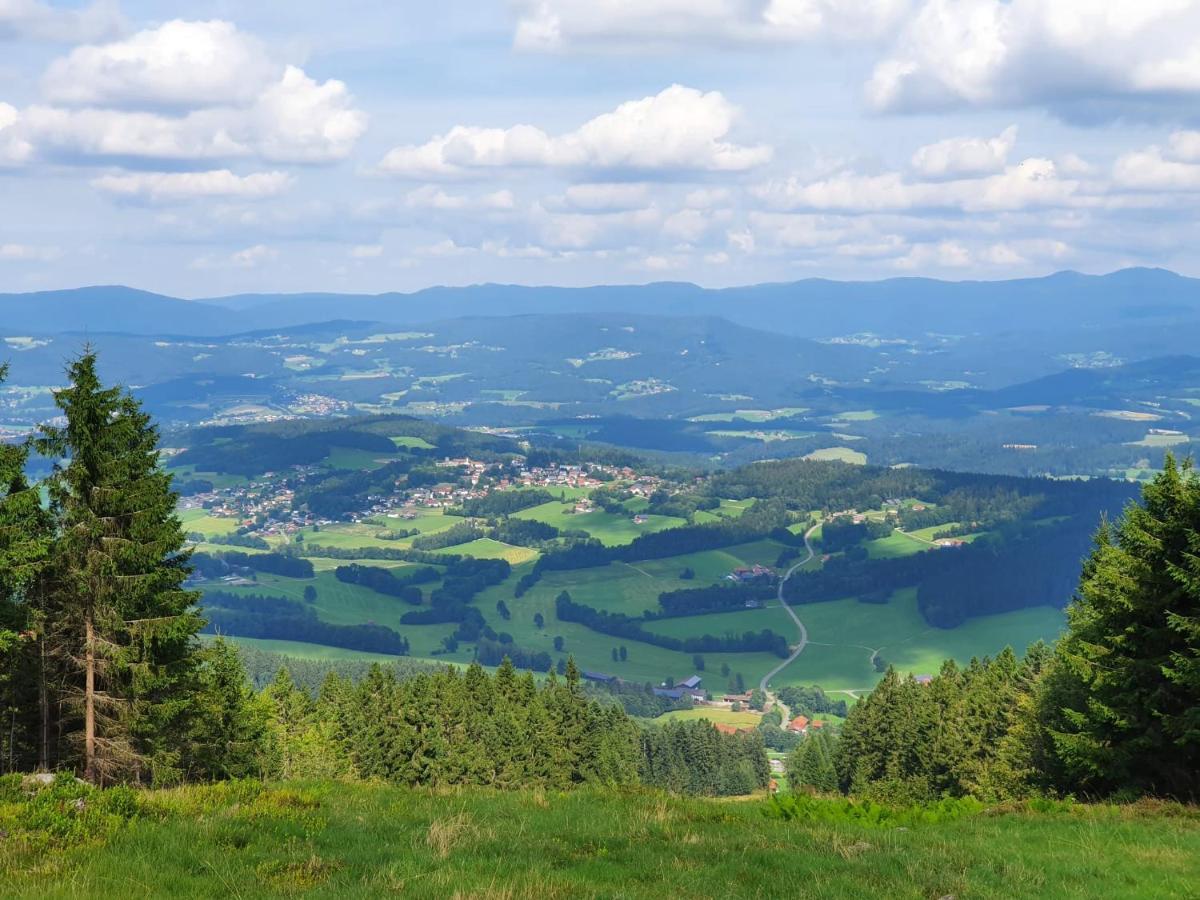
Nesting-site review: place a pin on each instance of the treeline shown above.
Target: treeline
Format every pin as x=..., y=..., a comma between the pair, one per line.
x=695, y=758
x=1021, y=566
x=451, y=601
x=392, y=554
x=501, y=503
x=620, y=625
x=452, y=728
x=714, y=598
x=262, y=667
x=810, y=701
x=494, y=652
x=1110, y=710
x=387, y=582
x=459, y=533
x=283, y=619
x=209, y=565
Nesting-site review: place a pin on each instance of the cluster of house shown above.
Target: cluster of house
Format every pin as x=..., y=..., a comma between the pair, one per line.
x=743, y=574
x=804, y=725
x=689, y=687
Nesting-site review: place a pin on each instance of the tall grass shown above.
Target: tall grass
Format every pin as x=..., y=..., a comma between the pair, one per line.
x=244, y=839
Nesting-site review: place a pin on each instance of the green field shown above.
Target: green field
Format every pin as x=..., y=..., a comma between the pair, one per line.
x=412, y=443
x=327, y=839
x=486, y=548
x=715, y=715
x=843, y=634
x=894, y=545
x=839, y=454
x=611, y=529
x=210, y=526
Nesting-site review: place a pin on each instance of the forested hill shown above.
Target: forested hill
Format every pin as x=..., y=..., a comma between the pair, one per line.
x=815, y=307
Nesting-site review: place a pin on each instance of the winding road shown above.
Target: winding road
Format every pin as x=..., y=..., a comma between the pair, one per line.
x=803, y=642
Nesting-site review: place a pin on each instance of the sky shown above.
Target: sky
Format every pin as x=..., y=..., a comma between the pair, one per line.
x=212, y=148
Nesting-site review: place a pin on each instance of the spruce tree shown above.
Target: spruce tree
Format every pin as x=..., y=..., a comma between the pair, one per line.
x=1123, y=702
x=125, y=624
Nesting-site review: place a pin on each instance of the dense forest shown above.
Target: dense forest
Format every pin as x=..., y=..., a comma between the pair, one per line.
x=103, y=673
x=1112, y=709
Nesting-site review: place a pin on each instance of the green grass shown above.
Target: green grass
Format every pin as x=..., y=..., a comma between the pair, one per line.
x=611, y=529
x=716, y=715
x=486, y=548
x=326, y=839
x=210, y=526
x=894, y=545
x=839, y=454
x=843, y=633
x=350, y=604
x=411, y=443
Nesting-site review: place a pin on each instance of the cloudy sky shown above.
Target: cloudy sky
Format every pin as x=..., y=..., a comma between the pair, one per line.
x=219, y=147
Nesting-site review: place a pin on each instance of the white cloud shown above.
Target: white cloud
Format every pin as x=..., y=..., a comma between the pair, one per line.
x=178, y=64
x=252, y=257
x=1085, y=58
x=433, y=197
x=554, y=25
x=188, y=91
x=247, y=258
x=678, y=129
x=1031, y=183
x=1148, y=170
x=298, y=120
x=366, y=251
x=14, y=149
x=28, y=253
x=35, y=20
x=940, y=255
x=965, y=156
x=166, y=186
x=1185, y=146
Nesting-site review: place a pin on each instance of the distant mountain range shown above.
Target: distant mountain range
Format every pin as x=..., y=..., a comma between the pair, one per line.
x=1135, y=300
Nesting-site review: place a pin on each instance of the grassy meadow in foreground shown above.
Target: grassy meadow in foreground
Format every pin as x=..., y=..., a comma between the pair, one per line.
x=327, y=840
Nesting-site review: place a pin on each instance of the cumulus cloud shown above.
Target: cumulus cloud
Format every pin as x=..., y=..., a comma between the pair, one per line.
x=14, y=149
x=1083, y=58
x=1032, y=183
x=35, y=20
x=166, y=186
x=185, y=91
x=553, y=25
x=679, y=128
x=965, y=156
x=178, y=64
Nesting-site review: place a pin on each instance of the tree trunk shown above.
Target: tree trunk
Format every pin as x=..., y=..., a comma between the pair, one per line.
x=89, y=698
x=44, y=709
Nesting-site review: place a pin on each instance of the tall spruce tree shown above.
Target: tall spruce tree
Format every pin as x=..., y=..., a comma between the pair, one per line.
x=123, y=622
x=1122, y=703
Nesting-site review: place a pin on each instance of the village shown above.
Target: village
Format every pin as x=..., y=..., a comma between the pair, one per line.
x=266, y=506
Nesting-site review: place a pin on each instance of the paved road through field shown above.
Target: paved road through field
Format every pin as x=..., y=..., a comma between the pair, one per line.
x=803, y=642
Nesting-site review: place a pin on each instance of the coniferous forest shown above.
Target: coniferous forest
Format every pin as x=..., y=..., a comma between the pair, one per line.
x=104, y=680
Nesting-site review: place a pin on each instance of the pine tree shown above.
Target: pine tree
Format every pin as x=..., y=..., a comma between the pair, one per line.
x=1123, y=705
x=124, y=625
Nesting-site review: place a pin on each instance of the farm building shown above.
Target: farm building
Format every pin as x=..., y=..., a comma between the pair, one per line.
x=798, y=725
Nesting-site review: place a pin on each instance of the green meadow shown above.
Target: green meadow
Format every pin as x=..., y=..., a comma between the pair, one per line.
x=331, y=839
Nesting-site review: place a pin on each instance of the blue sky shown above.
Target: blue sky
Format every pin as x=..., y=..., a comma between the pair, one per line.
x=216, y=147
